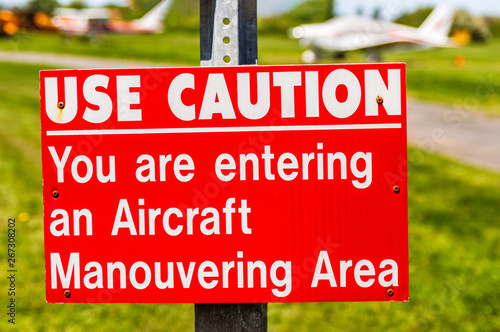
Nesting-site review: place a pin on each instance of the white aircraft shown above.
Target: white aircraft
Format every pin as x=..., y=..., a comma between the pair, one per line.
x=349, y=33
x=85, y=21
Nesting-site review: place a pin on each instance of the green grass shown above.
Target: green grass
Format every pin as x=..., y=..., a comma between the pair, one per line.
x=454, y=239
x=177, y=48
x=181, y=48
x=432, y=74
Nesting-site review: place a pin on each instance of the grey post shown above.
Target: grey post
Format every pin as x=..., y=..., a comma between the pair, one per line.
x=228, y=36
x=228, y=32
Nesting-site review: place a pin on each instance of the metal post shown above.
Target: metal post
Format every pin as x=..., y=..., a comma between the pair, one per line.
x=228, y=32
x=226, y=317
x=228, y=36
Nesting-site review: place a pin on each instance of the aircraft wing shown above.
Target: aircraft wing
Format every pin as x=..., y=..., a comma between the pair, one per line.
x=351, y=33
x=359, y=40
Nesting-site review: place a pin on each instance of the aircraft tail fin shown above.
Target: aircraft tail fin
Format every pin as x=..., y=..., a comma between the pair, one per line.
x=438, y=22
x=153, y=20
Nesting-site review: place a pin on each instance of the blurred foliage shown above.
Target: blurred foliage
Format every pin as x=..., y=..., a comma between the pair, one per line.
x=140, y=8
x=144, y=5
x=474, y=24
x=46, y=6
x=463, y=20
x=184, y=15
x=414, y=18
x=310, y=11
x=493, y=24
x=78, y=4
x=307, y=11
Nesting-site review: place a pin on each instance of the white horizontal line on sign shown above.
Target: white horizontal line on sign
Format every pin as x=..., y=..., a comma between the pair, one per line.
x=220, y=129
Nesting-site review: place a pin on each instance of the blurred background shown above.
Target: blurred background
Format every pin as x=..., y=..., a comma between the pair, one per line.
x=453, y=159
